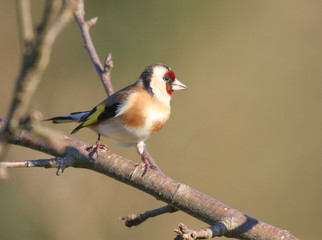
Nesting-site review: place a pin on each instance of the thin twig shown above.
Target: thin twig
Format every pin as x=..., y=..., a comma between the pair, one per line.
x=137, y=219
x=44, y=163
x=184, y=233
x=88, y=43
x=50, y=12
x=106, y=76
x=26, y=30
x=59, y=163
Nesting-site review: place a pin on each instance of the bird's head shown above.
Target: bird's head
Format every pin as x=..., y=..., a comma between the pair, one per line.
x=159, y=80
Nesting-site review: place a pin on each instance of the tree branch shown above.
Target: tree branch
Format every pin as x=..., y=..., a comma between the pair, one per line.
x=25, y=26
x=178, y=195
x=136, y=219
x=37, y=61
x=184, y=233
x=106, y=76
x=35, y=58
x=104, y=73
x=46, y=163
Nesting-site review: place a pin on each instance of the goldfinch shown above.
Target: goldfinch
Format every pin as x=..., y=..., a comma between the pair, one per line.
x=133, y=114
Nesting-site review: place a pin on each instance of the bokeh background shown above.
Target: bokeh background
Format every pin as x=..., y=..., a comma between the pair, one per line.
x=247, y=132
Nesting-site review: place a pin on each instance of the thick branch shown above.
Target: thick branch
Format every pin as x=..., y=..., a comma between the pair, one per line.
x=180, y=196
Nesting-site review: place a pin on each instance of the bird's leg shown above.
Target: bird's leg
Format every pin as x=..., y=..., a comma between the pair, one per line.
x=147, y=161
x=98, y=145
x=146, y=164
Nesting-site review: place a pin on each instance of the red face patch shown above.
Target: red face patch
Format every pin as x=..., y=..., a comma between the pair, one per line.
x=169, y=89
x=169, y=77
x=170, y=74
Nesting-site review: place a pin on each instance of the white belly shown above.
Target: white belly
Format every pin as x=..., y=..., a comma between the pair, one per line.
x=126, y=136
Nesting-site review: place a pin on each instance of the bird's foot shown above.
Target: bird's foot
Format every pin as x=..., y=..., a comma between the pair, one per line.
x=145, y=165
x=95, y=148
x=148, y=163
x=100, y=145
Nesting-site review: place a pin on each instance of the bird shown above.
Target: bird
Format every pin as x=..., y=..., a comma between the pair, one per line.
x=133, y=114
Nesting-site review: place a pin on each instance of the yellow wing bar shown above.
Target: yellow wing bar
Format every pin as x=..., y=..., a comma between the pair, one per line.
x=93, y=118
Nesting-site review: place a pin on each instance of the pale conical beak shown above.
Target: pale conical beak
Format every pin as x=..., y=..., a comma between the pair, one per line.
x=177, y=85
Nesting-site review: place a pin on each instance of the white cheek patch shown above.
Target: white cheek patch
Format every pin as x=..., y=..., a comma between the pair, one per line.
x=159, y=86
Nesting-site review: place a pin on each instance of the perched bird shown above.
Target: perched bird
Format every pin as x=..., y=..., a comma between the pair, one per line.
x=133, y=114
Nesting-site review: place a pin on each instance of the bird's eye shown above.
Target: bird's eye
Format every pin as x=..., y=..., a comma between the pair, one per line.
x=167, y=78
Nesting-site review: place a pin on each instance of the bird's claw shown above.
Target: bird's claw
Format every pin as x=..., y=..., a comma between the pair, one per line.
x=146, y=166
x=98, y=146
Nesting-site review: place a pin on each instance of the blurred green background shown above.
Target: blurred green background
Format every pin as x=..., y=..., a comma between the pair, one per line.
x=248, y=131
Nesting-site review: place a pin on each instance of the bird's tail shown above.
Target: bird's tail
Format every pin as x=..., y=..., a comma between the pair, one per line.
x=73, y=117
